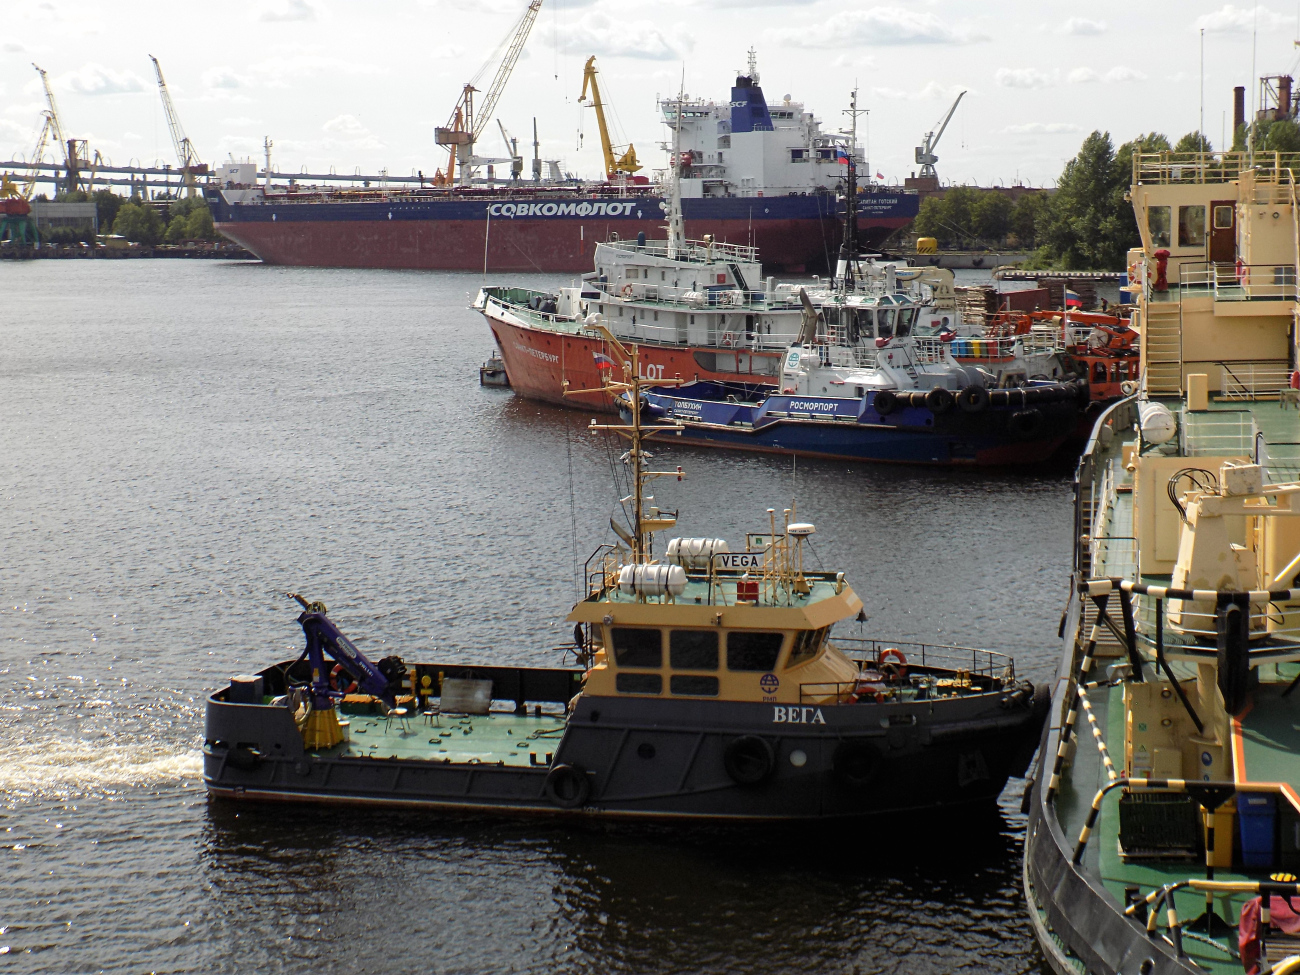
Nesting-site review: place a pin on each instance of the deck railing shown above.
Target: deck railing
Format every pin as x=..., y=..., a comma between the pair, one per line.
x=1213, y=167
x=693, y=250
x=978, y=663
x=1246, y=282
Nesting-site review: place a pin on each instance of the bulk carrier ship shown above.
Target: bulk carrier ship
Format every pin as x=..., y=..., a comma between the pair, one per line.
x=752, y=175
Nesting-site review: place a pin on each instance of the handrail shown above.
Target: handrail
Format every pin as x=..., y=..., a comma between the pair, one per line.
x=1100, y=587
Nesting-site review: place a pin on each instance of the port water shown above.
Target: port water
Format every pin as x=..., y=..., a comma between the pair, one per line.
x=214, y=433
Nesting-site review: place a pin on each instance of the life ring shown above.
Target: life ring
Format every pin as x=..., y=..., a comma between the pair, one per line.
x=939, y=400
x=627, y=291
x=1243, y=272
x=895, y=656
x=885, y=402
x=728, y=340
x=567, y=786
x=341, y=680
x=748, y=760
x=855, y=763
x=973, y=399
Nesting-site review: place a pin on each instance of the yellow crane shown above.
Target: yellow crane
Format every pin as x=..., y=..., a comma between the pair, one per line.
x=625, y=163
x=38, y=154
x=465, y=126
x=185, y=154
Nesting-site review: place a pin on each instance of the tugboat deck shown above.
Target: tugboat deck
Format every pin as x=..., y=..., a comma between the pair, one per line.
x=496, y=738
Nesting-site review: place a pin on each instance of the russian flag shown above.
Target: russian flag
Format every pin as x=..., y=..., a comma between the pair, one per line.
x=602, y=361
x=880, y=175
x=842, y=155
x=1072, y=299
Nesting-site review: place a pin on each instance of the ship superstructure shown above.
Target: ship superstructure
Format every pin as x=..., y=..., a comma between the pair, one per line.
x=1164, y=815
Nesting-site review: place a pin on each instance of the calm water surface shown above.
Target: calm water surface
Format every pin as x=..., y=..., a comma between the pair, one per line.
x=182, y=441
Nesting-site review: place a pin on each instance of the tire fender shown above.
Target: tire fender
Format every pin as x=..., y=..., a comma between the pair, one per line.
x=749, y=760
x=567, y=786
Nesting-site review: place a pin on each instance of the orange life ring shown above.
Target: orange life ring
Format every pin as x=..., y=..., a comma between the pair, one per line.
x=627, y=291
x=341, y=680
x=893, y=653
x=728, y=340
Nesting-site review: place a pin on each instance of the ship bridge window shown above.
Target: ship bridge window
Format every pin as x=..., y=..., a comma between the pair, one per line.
x=637, y=647
x=1191, y=226
x=693, y=649
x=798, y=155
x=1158, y=225
x=693, y=685
x=633, y=273
x=806, y=646
x=885, y=323
x=753, y=651
x=639, y=683
x=905, y=317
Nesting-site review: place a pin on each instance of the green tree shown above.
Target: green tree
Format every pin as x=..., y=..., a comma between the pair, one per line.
x=1193, y=142
x=929, y=219
x=138, y=222
x=1282, y=136
x=991, y=216
x=200, y=224
x=1025, y=217
x=107, y=203
x=1089, y=225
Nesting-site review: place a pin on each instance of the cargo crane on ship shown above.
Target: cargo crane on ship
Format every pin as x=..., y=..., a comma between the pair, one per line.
x=466, y=124
x=73, y=149
x=624, y=165
x=185, y=154
x=925, y=152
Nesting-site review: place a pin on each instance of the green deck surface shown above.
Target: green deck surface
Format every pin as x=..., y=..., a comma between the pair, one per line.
x=493, y=738
x=1270, y=735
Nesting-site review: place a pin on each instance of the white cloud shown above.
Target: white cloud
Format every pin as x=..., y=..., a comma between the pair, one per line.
x=1240, y=20
x=1047, y=128
x=278, y=72
x=346, y=125
x=1083, y=27
x=241, y=122
x=225, y=78
x=1121, y=73
x=295, y=10
x=96, y=79
x=945, y=92
x=885, y=26
x=598, y=34
x=1022, y=78
x=12, y=130
x=12, y=47
x=893, y=94
x=1082, y=76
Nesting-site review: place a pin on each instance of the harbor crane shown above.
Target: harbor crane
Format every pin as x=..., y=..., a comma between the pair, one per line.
x=185, y=154
x=925, y=153
x=69, y=147
x=625, y=164
x=466, y=124
x=42, y=141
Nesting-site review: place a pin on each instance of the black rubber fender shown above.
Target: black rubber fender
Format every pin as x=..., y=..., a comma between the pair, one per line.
x=855, y=762
x=998, y=397
x=749, y=760
x=939, y=401
x=567, y=786
x=885, y=402
x=1039, y=706
x=973, y=399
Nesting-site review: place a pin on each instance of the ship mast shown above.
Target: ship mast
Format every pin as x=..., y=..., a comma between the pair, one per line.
x=627, y=392
x=849, y=246
x=676, y=226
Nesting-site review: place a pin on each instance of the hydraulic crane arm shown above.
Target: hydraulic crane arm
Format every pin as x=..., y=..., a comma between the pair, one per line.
x=323, y=638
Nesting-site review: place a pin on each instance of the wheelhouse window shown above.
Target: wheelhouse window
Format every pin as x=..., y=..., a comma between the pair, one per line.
x=748, y=651
x=693, y=649
x=905, y=316
x=1223, y=218
x=1191, y=226
x=885, y=323
x=693, y=685
x=1158, y=225
x=637, y=647
x=807, y=644
x=639, y=683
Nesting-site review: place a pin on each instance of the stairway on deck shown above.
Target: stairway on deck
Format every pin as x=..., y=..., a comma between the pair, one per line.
x=1162, y=348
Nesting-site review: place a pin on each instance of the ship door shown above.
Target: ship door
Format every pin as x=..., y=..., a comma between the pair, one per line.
x=1223, y=232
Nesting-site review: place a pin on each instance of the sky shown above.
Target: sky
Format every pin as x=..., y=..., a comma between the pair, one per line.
x=345, y=85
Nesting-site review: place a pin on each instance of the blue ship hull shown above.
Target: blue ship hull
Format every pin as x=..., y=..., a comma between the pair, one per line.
x=1018, y=427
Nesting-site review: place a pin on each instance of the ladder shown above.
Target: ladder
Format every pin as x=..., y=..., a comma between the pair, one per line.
x=1162, y=348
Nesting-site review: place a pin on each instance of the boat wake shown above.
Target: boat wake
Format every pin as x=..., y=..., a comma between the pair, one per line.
x=56, y=766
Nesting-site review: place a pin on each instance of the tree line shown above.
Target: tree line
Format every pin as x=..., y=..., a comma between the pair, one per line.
x=137, y=221
x=1086, y=224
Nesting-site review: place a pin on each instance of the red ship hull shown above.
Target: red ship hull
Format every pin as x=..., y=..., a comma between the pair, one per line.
x=795, y=245
x=539, y=363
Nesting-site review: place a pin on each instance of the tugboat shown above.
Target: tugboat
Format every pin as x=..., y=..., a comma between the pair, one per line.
x=1164, y=816
x=708, y=686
